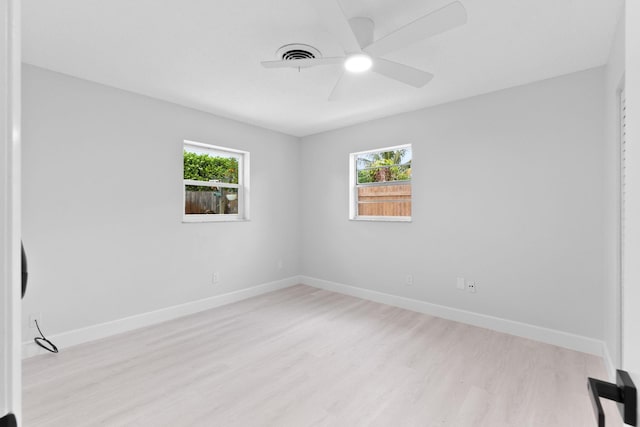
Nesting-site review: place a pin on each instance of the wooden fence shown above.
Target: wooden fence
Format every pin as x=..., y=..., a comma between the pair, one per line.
x=385, y=200
x=378, y=200
x=207, y=202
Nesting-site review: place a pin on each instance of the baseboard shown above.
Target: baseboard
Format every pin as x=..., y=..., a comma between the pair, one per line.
x=537, y=333
x=103, y=330
x=550, y=336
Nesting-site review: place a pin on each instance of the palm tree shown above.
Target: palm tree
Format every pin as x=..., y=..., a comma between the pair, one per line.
x=383, y=166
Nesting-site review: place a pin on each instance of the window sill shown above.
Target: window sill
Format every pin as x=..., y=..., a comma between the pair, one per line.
x=208, y=218
x=382, y=218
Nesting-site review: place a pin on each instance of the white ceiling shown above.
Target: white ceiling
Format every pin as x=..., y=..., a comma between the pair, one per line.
x=206, y=54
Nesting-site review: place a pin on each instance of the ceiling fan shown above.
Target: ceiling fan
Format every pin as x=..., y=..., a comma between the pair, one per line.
x=363, y=53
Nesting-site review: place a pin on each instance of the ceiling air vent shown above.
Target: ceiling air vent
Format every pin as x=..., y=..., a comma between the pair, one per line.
x=295, y=51
x=297, y=54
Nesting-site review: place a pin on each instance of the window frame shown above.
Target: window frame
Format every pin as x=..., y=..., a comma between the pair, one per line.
x=242, y=186
x=353, y=187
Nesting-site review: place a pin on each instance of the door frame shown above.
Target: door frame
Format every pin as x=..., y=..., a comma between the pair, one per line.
x=10, y=277
x=621, y=225
x=631, y=299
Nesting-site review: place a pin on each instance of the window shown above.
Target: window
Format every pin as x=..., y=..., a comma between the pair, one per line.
x=381, y=184
x=216, y=183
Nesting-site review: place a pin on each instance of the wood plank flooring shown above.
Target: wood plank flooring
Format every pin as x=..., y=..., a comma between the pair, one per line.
x=307, y=357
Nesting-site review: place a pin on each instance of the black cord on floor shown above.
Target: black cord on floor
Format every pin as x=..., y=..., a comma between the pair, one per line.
x=49, y=346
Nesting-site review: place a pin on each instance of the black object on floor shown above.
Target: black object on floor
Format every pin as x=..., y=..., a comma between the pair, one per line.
x=43, y=342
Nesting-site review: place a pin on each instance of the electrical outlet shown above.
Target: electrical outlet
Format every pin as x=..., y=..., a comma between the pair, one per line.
x=279, y=264
x=471, y=287
x=409, y=279
x=215, y=279
x=32, y=320
x=460, y=283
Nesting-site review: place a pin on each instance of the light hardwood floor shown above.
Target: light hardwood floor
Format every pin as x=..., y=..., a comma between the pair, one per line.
x=307, y=357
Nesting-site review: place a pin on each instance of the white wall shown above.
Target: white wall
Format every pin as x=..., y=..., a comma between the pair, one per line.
x=614, y=76
x=102, y=198
x=507, y=192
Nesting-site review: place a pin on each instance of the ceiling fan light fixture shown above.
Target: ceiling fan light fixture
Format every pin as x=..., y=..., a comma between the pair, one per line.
x=358, y=63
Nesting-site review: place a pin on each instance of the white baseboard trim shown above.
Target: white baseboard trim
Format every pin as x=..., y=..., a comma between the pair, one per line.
x=550, y=336
x=524, y=330
x=103, y=330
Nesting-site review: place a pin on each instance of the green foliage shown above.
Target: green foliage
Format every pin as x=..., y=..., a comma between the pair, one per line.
x=383, y=167
x=203, y=167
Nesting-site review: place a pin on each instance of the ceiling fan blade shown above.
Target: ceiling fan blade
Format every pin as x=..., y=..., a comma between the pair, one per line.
x=302, y=63
x=402, y=73
x=334, y=19
x=439, y=21
x=342, y=86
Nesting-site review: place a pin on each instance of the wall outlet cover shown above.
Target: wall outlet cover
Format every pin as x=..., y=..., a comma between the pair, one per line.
x=472, y=287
